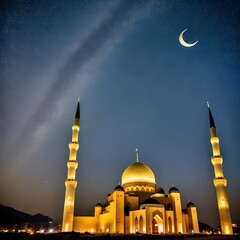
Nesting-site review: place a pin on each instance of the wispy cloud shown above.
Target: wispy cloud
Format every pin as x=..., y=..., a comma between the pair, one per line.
x=109, y=31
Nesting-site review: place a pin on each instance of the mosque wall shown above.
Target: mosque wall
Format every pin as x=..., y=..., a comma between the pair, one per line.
x=131, y=202
x=170, y=221
x=185, y=222
x=127, y=224
x=85, y=224
x=193, y=220
x=105, y=223
x=118, y=197
x=177, y=208
x=137, y=220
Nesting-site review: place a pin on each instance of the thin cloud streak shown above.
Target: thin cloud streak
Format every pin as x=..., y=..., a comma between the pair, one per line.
x=108, y=32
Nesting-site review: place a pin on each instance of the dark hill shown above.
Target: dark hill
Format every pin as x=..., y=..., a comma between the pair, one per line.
x=10, y=216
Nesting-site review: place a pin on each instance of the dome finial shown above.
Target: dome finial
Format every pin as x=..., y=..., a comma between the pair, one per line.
x=136, y=155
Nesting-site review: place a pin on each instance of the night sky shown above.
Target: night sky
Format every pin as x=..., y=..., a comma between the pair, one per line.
x=139, y=88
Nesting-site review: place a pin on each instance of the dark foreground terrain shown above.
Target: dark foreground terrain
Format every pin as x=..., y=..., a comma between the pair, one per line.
x=76, y=236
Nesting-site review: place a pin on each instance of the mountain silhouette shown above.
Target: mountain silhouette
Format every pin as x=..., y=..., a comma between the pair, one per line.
x=10, y=216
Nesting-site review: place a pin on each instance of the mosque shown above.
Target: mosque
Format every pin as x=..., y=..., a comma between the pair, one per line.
x=137, y=205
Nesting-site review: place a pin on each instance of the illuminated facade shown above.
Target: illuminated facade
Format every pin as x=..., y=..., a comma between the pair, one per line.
x=219, y=181
x=137, y=205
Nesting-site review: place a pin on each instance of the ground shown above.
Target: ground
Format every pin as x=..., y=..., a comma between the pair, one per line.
x=76, y=236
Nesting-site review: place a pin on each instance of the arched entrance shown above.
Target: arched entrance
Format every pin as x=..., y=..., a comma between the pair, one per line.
x=157, y=223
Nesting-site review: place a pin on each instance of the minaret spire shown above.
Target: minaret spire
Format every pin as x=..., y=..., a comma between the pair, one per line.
x=219, y=181
x=212, y=124
x=71, y=182
x=77, y=115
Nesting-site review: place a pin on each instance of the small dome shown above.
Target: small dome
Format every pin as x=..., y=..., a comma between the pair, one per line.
x=118, y=188
x=190, y=204
x=173, y=190
x=151, y=201
x=98, y=205
x=160, y=190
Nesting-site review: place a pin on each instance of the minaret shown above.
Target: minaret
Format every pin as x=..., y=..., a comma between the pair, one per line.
x=71, y=182
x=219, y=181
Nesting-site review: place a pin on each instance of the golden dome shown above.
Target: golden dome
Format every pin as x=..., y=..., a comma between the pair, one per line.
x=138, y=172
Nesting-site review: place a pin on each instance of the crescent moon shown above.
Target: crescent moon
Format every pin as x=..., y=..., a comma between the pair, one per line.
x=185, y=44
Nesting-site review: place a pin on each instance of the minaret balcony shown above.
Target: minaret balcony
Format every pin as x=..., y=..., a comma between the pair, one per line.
x=73, y=145
x=220, y=181
x=75, y=127
x=216, y=160
x=214, y=140
x=72, y=163
x=71, y=182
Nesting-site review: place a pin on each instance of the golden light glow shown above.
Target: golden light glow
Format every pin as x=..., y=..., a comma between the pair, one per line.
x=71, y=183
x=138, y=172
x=66, y=228
x=220, y=183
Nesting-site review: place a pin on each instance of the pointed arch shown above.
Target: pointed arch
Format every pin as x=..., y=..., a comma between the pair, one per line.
x=157, y=222
x=141, y=224
x=136, y=225
x=170, y=224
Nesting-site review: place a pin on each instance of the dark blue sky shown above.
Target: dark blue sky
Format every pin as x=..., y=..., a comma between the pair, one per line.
x=139, y=88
